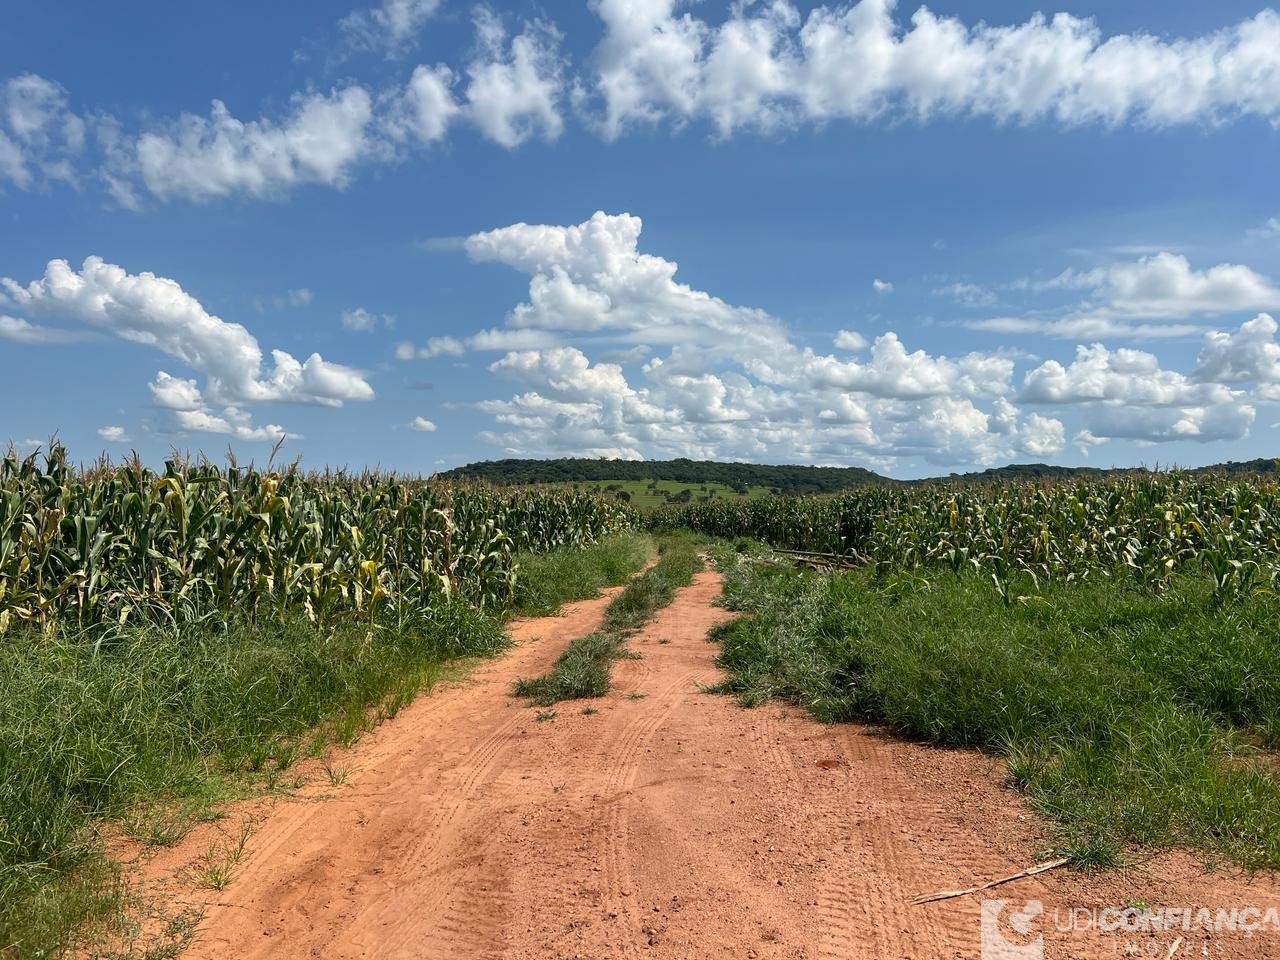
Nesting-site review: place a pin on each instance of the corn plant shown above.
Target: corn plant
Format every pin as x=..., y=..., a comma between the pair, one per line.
x=114, y=543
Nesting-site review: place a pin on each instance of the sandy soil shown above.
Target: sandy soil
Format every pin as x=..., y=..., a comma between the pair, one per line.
x=669, y=824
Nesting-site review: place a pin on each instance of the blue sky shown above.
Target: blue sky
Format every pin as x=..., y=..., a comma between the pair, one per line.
x=914, y=240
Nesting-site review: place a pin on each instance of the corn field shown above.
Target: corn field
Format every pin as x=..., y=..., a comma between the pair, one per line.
x=114, y=544
x=1146, y=527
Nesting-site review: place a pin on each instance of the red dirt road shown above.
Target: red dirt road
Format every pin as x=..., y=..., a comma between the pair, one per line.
x=669, y=824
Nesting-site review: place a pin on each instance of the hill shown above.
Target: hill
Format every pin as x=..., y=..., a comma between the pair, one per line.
x=785, y=479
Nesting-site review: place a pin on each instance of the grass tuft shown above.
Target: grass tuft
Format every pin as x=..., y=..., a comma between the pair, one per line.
x=548, y=580
x=583, y=669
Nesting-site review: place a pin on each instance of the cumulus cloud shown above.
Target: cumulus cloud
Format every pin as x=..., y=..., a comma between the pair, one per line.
x=156, y=311
x=41, y=138
x=361, y=320
x=1152, y=297
x=1166, y=285
x=850, y=340
x=389, y=28
x=514, y=88
x=730, y=381
x=510, y=90
x=881, y=286
x=113, y=434
x=1126, y=394
x=206, y=157
x=768, y=67
x=1123, y=376
x=422, y=425
x=175, y=393
x=231, y=421
x=1250, y=354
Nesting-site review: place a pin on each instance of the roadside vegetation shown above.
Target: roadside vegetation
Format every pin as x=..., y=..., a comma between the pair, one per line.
x=169, y=640
x=1113, y=639
x=583, y=670
x=547, y=580
x=1127, y=716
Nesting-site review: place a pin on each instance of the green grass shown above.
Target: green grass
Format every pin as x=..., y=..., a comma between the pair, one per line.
x=152, y=726
x=1128, y=718
x=645, y=495
x=583, y=669
x=545, y=581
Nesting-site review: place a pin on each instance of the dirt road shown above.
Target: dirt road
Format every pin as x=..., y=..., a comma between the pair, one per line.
x=669, y=824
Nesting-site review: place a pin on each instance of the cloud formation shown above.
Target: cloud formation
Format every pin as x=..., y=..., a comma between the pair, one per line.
x=389, y=28
x=768, y=67
x=156, y=311
x=697, y=376
x=761, y=68
x=41, y=138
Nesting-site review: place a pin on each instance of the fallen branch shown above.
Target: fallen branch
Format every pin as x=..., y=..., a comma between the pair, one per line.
x=1029, y=872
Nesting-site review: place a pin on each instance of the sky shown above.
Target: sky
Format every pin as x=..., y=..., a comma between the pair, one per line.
x=418, y=233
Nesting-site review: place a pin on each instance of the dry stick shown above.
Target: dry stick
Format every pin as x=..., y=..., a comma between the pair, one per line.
x=1029, y=872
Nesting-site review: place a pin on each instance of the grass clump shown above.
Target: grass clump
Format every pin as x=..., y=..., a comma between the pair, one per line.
x=1124, y=716
x=547, y=580
x=583, y=669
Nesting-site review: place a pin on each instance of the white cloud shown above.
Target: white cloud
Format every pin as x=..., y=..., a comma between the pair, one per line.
x=427, y=107
x=1138, y=300
x=174, y=393
x=1126, y=377
x=390, y=27
x=732, y=382
x=514, y=90
x=968, y=294
x=767, y=67
x=113, y=434
x=361, y=320
x=1126, y=394
x=155, y=311
x=1250, y=355
x=202, y=158
x=1097, y=325
x=1165, y=285
x=1085, y=440
x=1267, y=231
x=22, y=331
x=434, y=347
x=850, y=340
x=232, y=421
x=881, y=286
x=40, y=137
x=422, y=425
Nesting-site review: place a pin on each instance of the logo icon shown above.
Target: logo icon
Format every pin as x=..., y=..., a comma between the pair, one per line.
x=1007, y=933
